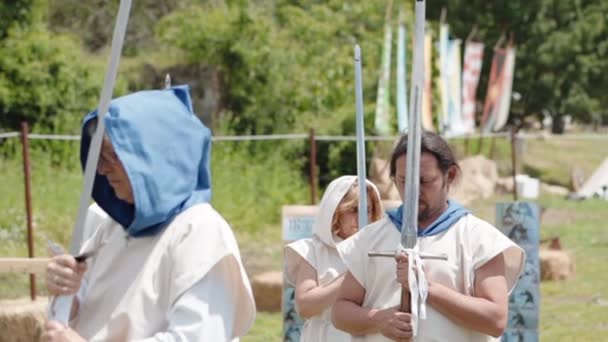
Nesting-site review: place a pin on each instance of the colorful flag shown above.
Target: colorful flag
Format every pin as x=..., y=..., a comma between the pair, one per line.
x=427, y=96
x=504, y=106
x=381, y=121
x=473, y=60
x=442, y=82
x=454, y=85
x=401, y=77
x=492, y=103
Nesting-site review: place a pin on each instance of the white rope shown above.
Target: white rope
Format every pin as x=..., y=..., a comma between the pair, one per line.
x=298, y=136
x=419, y=288
x=52, y=137
x=260, y=137
x=9, y=135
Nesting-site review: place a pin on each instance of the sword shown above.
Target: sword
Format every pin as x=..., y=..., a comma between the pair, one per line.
x=59, y=309
x=409, y=229
x=360, y=140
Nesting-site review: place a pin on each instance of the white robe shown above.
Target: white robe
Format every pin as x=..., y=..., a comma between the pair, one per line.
x=469, y=244
x=320, y=253
x=140, y=288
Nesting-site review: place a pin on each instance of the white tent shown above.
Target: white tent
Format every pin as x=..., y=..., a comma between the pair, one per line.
x=597, y=184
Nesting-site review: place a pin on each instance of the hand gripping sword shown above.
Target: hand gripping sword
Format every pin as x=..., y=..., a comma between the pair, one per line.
x=59, y=309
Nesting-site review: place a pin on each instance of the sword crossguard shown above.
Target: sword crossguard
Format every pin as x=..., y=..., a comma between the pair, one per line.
x=427, y=256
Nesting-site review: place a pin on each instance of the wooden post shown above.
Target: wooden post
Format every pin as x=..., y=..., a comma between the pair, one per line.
x=480, y=145
x=493, y=148
x=28, y=202
x=313, y=167
x=514, y=162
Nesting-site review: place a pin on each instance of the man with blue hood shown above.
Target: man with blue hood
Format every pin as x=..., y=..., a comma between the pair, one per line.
x=166, y=265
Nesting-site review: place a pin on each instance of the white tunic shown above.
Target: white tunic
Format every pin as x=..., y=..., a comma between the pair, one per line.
x=320, y=253
x=469, y=244
x=146, y=287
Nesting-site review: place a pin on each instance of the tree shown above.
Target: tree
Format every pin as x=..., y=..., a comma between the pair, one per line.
x=92, y=21
x=22, y=13
x=45, y=79
x=561, y=50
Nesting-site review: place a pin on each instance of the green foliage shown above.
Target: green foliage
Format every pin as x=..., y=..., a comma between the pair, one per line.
x=20, y=13
x=46, y=81
x=287, y=68
x=250, y=187
x=93, y=20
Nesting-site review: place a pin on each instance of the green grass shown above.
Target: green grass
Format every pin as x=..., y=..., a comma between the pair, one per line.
x=267, y=327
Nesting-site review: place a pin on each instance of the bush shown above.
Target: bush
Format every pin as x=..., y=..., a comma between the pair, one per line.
x=47, y=81
x=250, y=187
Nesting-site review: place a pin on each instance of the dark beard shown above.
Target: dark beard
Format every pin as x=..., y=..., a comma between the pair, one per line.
x=424, y=215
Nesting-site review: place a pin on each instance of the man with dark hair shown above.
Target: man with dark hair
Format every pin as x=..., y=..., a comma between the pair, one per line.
x=467, y=294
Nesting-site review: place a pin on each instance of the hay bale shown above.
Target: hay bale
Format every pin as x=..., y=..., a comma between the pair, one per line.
x=554, y=189
x=479, y=177
x=22, y=320
x=267, y=290
x=555, y=265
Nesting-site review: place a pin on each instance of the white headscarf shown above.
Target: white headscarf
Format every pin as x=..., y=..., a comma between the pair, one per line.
x=320, y=250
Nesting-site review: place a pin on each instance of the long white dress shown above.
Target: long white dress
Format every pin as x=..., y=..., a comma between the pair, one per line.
x=138, y=288
x=320, y=253
x=469, y=244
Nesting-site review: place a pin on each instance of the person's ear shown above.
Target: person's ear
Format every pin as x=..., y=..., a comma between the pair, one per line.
x=452, y=174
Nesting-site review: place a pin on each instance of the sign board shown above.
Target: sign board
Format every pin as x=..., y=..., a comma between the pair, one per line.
x=297, y=221
x=520, y=222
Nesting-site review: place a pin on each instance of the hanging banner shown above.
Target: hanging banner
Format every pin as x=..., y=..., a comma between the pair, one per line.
x=427, y=96
x=454, y=86
x=442, y=81
x=381, y=120
x=504, y=106
x=492, y=103
x=473, y=60
x=401, y=77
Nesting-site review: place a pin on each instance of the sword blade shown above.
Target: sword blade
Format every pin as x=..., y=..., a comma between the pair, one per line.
x=360, y=140
x=60, y=307
x=409, y=229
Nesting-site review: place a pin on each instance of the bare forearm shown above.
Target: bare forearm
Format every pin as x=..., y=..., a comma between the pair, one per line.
x=316, y=300
x=474, y=313
x=353, y=318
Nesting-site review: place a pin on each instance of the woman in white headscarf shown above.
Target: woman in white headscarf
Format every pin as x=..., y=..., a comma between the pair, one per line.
x=314, y=267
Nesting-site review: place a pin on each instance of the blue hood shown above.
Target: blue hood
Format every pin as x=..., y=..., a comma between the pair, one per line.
x=165, y=150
